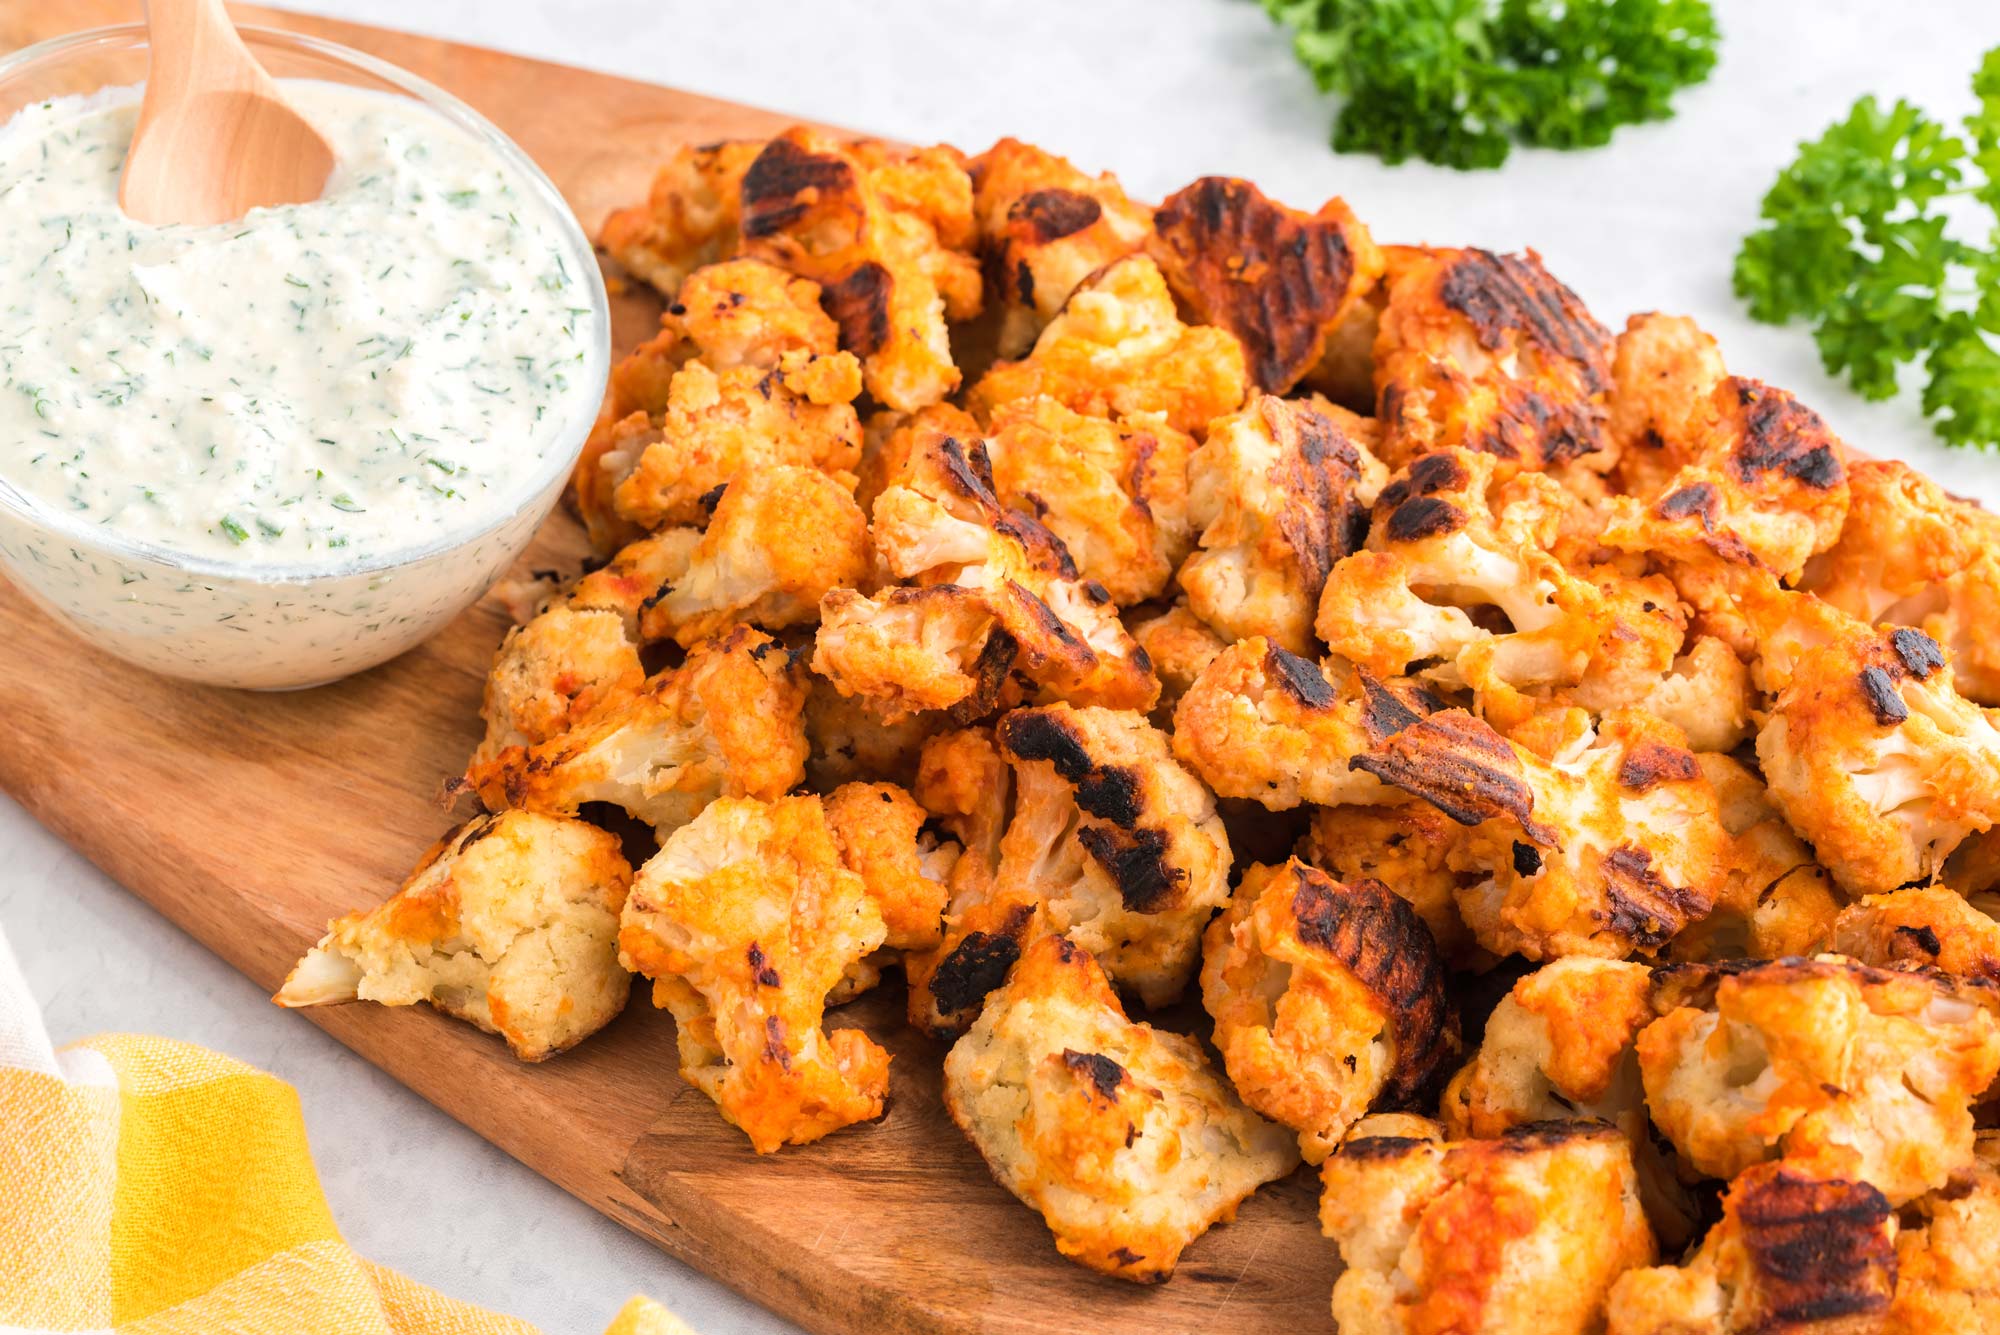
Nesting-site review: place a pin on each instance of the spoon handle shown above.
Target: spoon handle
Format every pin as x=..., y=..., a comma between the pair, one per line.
x=194, y=41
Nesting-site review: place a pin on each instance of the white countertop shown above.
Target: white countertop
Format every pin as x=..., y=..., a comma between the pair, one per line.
x=1160, y=91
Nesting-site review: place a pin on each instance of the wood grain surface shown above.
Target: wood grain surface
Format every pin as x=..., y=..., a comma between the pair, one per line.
x=251, y=820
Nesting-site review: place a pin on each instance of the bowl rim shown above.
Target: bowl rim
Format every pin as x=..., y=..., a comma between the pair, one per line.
x=529, y=490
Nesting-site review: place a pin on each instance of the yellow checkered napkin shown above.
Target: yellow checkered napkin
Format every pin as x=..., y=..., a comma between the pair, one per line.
x=150, y=1187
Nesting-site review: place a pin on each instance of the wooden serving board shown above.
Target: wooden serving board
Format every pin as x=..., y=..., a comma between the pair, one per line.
x=251, y=820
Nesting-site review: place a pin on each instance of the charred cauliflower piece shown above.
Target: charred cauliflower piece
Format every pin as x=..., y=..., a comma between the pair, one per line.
x=849, y=739
x=749, y=313
x=1281, y=281
x=1523, y=1235
x=1406, y=845
x=1120, y=846
x=1276, y=494
x=690, y=217
x=1120, y=1134
x=880, y=830
x=1119, y=349
x=781, y=539
x=1116, y=493
x=1328, y=1000
x=1044, y=228
x=745, y=920
x=1794, y=1253
x=1878, y=761
x=1840, y=1069
x=1180, y=646
x=1663, y=369
x=509, y=922
x=1488, y=352
x=1923, y=927
x=1948, y=1255
x=906, y=651
x=727, y=721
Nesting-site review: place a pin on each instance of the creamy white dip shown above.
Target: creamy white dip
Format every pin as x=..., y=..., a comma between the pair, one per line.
x=261, y=419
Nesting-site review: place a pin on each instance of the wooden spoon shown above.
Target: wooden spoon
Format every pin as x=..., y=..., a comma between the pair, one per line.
x=215, y=137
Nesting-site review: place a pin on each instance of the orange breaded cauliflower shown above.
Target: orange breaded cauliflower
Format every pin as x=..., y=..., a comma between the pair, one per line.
x=781, y=539
x=1278, y=493
x=1841, y=1069
x=893, y=443
x=906, y=651
x=1488, y=352
x=1328, y=1000
x=1948, y=1255
x=553, y=673
x=630, y=578
x=1877, y=760
x=1281, y=281
x=1912, y=554
x=1119, y=348
x=1121, y=848
x=745, y=920
x=1180, y=645
x=749, y=313
x=1795, y=1254
x=727, y=722
x=1120, y=1134
x=1923, y=927
x=1116, y=493
x=1406, y=845
x=1663, y=369
x=847, y=739
x=1044, y=228
x=509, y=922
x=880, y=830
x=1521, y=1235
x=690, y=217
x=1264, y=724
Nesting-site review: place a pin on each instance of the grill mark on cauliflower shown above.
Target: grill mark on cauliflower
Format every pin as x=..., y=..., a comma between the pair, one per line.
x=1650, y=764
x=1460, y=766
x=1299, y=677
x=1424, y=517
x=1782, y=435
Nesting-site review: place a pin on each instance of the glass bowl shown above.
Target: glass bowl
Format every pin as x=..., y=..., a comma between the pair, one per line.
x=276, y=627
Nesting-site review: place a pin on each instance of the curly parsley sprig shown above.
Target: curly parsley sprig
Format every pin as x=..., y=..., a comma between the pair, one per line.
x=1860, y=242
x=1457, y=82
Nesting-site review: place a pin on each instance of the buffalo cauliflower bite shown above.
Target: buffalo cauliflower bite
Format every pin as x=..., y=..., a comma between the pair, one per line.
x=1878, y=761
x=1328, y=1000
x=907, y=651
x=1794, y=1254
x=748, y=313
x=728, y=721
x=1519, y=1235
x=880, y=830
x=1116, y=493
x=1406, y=845
x=1488, y=352
x=1044, y=228
x=1276, y=493
x=553, y=673
x=1841, y=1069
x=1120, y=1134
x=1119, y=348
x=509, y=922
x=849, y=739
x=745, y=920
x=780, y=540
x=1923, y=927
x=626, y=582
x=1121, y=847
x=1281, y=281
x=690, y=217
x=1180, y=646
x=1948, y=1255
x=1663, y=368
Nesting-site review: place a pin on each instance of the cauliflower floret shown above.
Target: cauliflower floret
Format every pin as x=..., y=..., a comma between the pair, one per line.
x=1878, y=761
x=1795, y=1254
x=745, y=920
x=906, y=651
x=1180, y=645
x=894, y=443
x=728, y=721
x=749, y=313
x=781, y=539
x=509, y=922
x=1121, y=847
x=1923, y=927
x=1280, y=280
x=690, y=217
x=1264, y=724
x=555, y=672
x=1522, y=1235
x=1488, y=352
x=1328, y=1000
x=849, y=739
x=1045, y=227
x=1119, y=348
x=1948, y=1256
x=1663, y=369
x=628, y=581
x=1406, y=845
x=880, y=830
x=1843, y=1070
x=1707, y=694
x=1275, y=491
x=1120, y=1134
x=1116, y=493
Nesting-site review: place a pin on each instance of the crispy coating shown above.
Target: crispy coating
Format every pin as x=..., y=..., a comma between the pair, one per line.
x=906, y=651
x=849, y=739
x=690, y=217
x=1794, y=1254
x=1877, y=760
x=1406, y=845
x=1948, y=1256
x=1280, y=280
x=1276, y=493
x=1328, y=1000
x=632, y=576
x=895, y=442
x=880, y=830
x=1841, y=1069
x=1663, y=369
x=1119, y=349
x=1121, y=847
x=1488, y=352
x=1912, y=554
x=509, y=922
x=1180, y=645
x=1120, y=1134
x=781, y=539
x=1116, y=493
x=728, y=721
x=1521, y=1235
x=1923, y=927
x=746, y=312
x=1044, y=228
x=745, y=920
x=1708, y=694
x=553, y=673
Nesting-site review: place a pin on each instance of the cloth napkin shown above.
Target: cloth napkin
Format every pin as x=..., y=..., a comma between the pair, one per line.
x=151, y=1187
